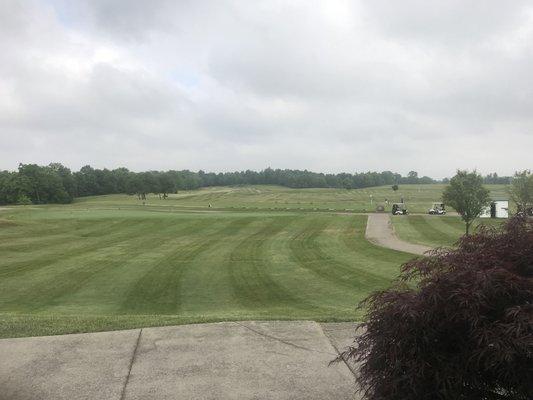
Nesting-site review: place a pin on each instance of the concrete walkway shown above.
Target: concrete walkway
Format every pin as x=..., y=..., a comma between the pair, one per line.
x=379, y=230
x=230, y=360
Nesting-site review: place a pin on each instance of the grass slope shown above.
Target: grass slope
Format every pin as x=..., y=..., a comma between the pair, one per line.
x=112, y=265
x=271, y=198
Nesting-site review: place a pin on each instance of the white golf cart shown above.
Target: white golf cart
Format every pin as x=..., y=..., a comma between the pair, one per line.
x=437, y=209
x=399, y=209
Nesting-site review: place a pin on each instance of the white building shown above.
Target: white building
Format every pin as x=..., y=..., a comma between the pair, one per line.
x=497, y=209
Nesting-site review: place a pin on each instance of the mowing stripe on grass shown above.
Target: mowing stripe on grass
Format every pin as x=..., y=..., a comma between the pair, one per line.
x=365, y=257
x=158, y=289
x=72, y=247
x=306, y=250
x=248, y=265
x=122, y=265
x=46, y=236
x=118, y=264
x=67, y=275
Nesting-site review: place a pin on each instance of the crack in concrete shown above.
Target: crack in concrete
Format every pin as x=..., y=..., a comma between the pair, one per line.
x=133, y=356
x=282, y=340
x=350, y=367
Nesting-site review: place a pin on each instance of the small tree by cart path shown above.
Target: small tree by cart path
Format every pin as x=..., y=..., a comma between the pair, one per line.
x=521, y=190
x=467, y=195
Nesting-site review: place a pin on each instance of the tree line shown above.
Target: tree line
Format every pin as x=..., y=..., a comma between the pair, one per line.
x=55, y=183
x=490, y=179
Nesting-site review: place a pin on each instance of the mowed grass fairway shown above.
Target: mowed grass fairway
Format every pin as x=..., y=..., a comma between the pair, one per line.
x=259, y=252
x=419, y=198
x=434, y=230
x=98, y=265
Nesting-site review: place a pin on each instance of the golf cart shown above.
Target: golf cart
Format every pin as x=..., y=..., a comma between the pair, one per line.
x=437, y=209
x=399, y=209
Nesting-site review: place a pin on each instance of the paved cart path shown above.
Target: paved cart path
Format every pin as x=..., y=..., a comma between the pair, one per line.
x=379, y=230
x=229, y=360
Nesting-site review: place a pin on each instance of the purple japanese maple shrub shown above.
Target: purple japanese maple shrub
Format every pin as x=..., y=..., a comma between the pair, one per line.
x=457, y=324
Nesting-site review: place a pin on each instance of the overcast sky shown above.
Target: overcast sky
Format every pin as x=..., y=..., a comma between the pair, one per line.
x=219, y=85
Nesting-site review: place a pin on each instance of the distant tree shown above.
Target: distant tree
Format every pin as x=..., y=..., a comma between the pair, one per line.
x=134, y=184
x=456, y=325
x=412, y=177
x=87, y=181
x=495, y=179
x=347, y=183
x=395, y=187
x=69, y=184
x=467, y=195
x=14, y=188
x=45, y=184
x=149, y=182
x=107, y=181
x=34, y=177
x=121, y=176
x=425, y=180
x=166, y=183
x=521, y=190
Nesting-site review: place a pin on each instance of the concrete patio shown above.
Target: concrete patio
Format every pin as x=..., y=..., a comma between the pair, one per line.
x=229, y=360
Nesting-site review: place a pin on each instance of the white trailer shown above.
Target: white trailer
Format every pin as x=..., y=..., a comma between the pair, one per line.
x=496, y=209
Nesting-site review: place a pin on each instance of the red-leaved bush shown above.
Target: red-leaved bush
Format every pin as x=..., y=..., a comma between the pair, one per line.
x=458, y=324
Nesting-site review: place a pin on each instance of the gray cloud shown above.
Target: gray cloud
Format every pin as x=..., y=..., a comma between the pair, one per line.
x=456, y=22
x=223, y=85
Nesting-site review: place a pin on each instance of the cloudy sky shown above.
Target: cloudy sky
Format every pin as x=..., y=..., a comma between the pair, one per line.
x=222, y=85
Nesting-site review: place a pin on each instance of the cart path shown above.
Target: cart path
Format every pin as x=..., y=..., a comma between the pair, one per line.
x=228, y=360
x=379, y=230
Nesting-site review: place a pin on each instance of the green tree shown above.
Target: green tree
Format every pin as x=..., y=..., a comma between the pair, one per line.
x=467, y=195
x=45, y=184
x=412, y=177
x=66, y=177
x=521, y=190
x=166, y=183
x=14, y=188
